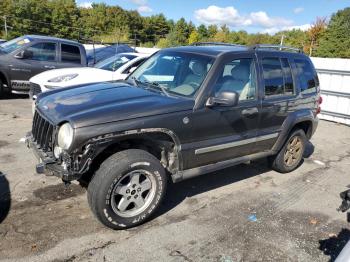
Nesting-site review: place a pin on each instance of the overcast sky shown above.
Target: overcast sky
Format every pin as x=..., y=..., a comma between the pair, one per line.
x=250, y=15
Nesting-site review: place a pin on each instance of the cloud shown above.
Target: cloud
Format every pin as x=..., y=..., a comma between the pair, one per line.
x=139, y=2
x=144, y=9
x=221, y=15
x=298, y=10
x=262, y=19
x=231, y=17
x=85, y=5
x=143, y=6
x=274, y=30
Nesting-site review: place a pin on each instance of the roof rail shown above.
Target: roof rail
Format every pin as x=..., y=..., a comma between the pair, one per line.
x=279, y=47
x=213, y=43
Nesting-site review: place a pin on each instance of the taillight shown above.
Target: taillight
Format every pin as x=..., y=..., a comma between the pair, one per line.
x=319, y=102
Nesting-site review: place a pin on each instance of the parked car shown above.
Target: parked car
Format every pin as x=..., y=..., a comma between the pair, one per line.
x=114, y=68
x=184, y=112
x=97, y=55
x=26, y=56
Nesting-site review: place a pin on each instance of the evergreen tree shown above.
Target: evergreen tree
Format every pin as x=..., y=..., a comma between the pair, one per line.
x=335, y=42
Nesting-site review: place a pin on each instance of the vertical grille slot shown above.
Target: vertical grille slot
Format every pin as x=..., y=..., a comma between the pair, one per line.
x=42, y=132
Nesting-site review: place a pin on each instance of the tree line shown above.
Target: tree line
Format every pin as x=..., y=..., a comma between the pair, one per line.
x=101, y=22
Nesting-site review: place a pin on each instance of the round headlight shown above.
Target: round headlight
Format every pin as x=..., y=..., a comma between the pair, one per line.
x=65, y=136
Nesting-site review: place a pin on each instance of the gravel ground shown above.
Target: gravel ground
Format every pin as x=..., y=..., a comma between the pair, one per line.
x=244, y=213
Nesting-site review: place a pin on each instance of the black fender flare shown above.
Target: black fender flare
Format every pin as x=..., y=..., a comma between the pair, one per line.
x=99, y=143
x=294, y=118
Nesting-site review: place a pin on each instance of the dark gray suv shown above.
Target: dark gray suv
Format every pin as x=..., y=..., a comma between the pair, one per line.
x=184, y=112
x=29, y=55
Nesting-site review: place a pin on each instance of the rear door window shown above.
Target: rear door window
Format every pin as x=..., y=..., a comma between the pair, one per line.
x=288, y=78
x=273, y=76
x=277, y=76
x=307, y=76
x=70, y=54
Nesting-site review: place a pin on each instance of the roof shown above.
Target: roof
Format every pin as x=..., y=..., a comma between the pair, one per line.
x=212, y=50
x=41, y=37
x=137, y=54
x=215, y=50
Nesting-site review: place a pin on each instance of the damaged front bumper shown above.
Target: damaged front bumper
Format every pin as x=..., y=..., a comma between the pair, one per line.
x=66, y=168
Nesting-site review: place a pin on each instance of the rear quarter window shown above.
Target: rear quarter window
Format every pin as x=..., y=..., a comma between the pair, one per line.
x=70, y=54
x=307, y=76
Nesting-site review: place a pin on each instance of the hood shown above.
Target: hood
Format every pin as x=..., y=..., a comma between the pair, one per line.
x=85, y=74
x=106, y=102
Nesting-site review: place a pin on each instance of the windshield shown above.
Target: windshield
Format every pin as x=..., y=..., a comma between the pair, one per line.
x=114, y=62
x=14, y=44
x=100, y=54
x=173, y=72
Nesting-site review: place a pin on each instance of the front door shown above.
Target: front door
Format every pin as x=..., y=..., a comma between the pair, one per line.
x=228, y=132
x=38, y=57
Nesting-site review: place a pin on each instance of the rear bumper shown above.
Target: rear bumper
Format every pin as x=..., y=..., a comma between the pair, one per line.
x=48, y=165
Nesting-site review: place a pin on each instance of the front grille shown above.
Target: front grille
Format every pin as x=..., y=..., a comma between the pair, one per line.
x=42, y=132
x=35, y=89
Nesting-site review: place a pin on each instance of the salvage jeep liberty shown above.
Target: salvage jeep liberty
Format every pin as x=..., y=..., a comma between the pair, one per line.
x=184, y=112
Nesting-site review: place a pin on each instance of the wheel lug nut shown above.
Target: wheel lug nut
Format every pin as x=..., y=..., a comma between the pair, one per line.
x=128, y=197
x=127, y=191
x=136, y=196
x=134, y=185
x=139, y=189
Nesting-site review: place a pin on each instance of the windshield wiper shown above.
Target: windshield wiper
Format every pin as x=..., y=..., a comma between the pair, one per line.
x=136, y=82
x=159, y=86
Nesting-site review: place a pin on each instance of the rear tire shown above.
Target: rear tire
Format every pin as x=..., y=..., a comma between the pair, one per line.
x=127, y=189
x=291, y=154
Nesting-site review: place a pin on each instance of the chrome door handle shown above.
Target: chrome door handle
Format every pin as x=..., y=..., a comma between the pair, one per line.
x=250, y=111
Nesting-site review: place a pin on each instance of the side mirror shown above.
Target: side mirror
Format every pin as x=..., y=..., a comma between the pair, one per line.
x=224, y=98
x=24, y=54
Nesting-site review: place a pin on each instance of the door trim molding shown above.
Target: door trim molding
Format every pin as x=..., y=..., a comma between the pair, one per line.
x=209, y=149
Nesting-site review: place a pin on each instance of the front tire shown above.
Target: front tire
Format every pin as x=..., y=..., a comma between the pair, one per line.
x=127, y=189
x=291, y=154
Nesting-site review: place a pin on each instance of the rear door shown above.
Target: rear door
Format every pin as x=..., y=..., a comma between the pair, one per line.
x=70, y=56
x=278, y=97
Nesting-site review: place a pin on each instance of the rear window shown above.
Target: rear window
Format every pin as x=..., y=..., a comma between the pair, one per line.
x=70, y=54
x=307, y=76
